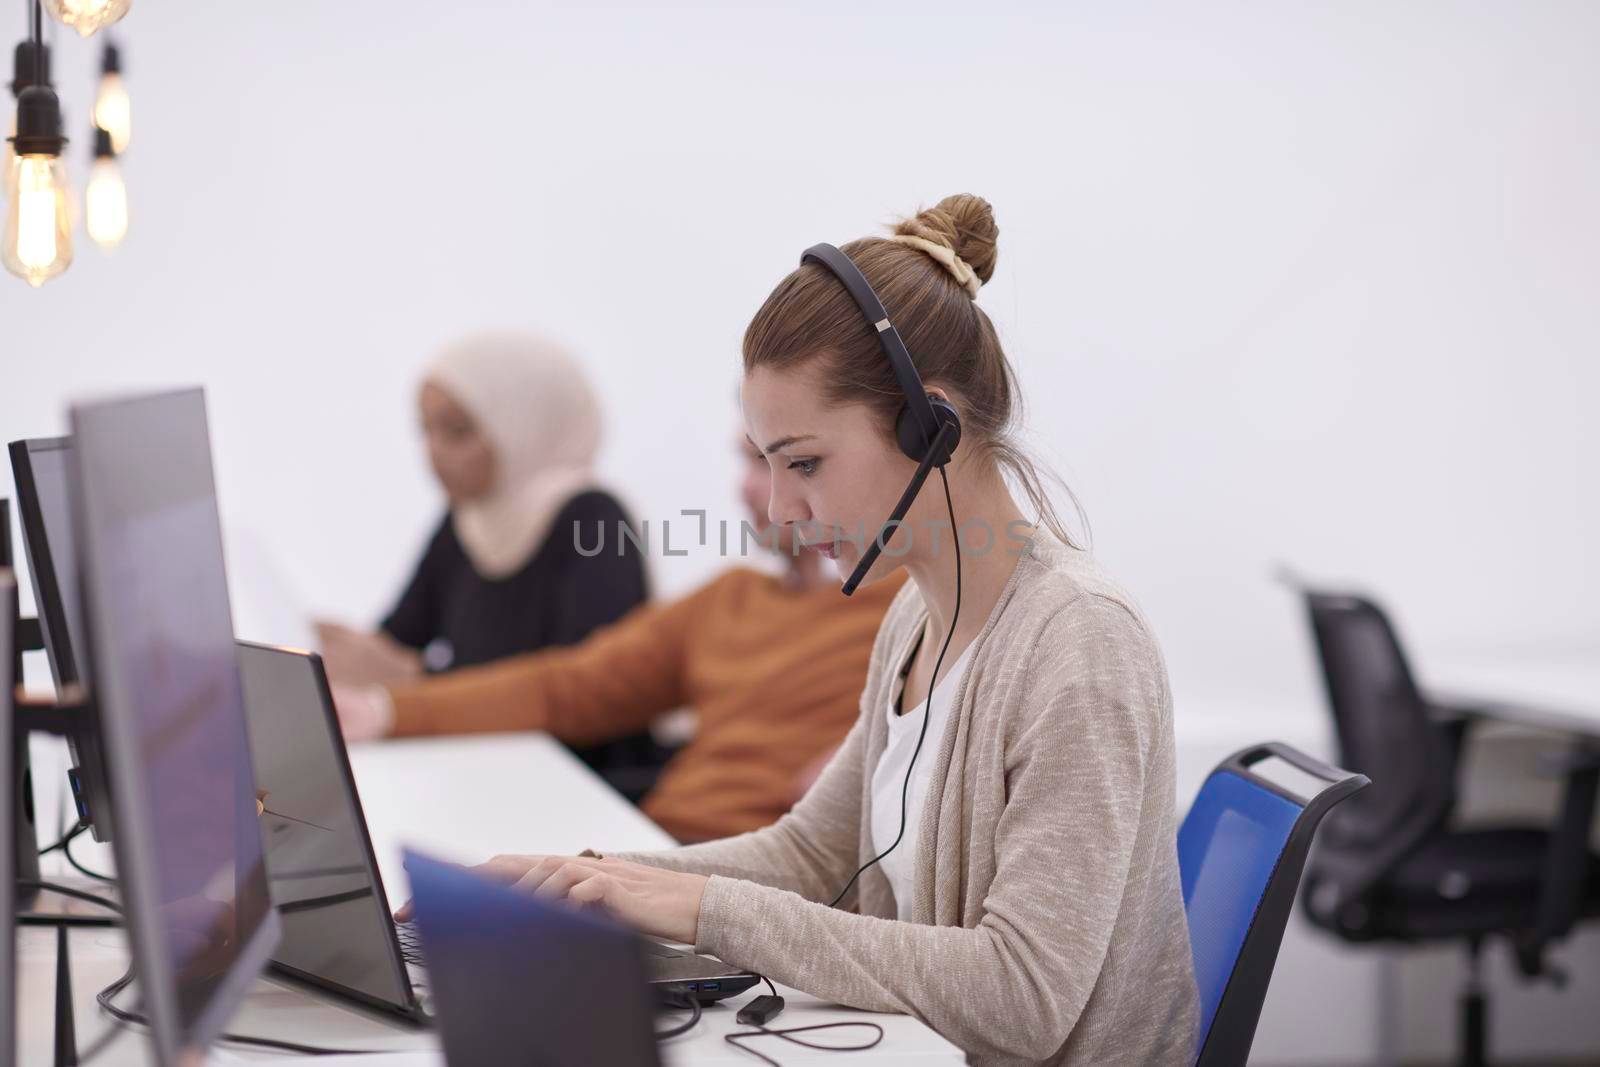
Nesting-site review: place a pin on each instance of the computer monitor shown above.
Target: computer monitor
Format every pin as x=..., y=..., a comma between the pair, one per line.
x=164, y=683
x=41, y=469
x=8, y=875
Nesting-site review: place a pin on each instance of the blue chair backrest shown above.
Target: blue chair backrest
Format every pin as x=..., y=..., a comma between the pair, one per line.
x=1241, y=850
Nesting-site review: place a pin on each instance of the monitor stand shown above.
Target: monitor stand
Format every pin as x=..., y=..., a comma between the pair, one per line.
x=45, y=907
x=66, y=1030
x=35, y=903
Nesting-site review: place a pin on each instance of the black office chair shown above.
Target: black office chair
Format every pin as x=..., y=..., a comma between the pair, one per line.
x=1389, y=865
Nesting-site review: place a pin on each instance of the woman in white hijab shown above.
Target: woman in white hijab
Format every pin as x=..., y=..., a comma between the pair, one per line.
x=512, y=428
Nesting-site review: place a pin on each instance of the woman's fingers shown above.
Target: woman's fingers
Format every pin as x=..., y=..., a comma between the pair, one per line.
x=504, y=868
x=507, y=869
x=556, y=879
x=654, y=901
x=594, y=890
x=548, y=876
x=528, y=872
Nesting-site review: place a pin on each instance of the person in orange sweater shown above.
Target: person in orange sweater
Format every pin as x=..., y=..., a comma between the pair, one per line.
x=773, y=665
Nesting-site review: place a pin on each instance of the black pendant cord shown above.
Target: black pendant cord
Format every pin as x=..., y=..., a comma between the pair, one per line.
x=37, y=17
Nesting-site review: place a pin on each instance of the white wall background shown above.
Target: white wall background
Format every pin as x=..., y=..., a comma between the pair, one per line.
x=1300, y=282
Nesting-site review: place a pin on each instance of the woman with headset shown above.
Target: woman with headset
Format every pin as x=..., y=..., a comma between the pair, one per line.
x=993, y=847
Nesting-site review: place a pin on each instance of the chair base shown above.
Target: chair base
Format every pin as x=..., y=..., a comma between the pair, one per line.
x=1474, y=1029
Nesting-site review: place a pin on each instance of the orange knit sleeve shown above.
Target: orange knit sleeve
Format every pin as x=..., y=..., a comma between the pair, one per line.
x=609, y=685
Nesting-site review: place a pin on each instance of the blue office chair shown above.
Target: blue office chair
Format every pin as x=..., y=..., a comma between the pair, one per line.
x=1241, y=849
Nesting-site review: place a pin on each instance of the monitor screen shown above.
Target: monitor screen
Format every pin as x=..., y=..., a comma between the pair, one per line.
x=8, y=873
x=324, y=883
x=165, y=684
x=41, y=468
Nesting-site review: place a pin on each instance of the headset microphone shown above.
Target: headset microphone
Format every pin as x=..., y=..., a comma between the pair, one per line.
x=870, y=556
x=927, y=430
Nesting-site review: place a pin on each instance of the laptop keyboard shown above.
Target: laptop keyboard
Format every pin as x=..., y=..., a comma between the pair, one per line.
x=411, y=945
x=410, y=942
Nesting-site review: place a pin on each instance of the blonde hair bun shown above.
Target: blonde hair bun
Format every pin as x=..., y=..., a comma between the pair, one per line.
x=964, y=224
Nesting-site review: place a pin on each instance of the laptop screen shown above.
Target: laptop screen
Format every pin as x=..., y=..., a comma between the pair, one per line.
x=521, y=980
x=335, y=921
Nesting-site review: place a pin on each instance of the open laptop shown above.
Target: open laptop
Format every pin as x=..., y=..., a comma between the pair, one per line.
x=323, y=874
x=338, y=930
x=523, y=981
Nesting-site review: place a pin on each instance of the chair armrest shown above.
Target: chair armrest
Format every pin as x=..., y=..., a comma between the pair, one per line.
x=1568, y=762
x=1445, y=711
x=1454, y=719
x=1566, y=860
x=1242, y=762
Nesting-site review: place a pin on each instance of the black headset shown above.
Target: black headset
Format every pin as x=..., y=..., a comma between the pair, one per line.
x=928, y=431
x=927, y=428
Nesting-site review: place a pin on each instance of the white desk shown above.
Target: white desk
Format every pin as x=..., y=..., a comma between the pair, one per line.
x=468, y=798
x=462, y=799
x=1555, y=690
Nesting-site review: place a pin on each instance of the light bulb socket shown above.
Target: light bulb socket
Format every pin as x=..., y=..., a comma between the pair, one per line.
x=103, y=149
x=38, y=122
x=30, y=65
x=110, y=60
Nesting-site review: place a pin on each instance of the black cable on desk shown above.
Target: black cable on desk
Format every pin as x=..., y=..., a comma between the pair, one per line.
x=79, y=827
x=64, y=846
x=757, y=1029
x=761, y=1031
x=124, y=1017
x=693, y=1004
x=118, y=1025
x=105, y=997
x=66, y=850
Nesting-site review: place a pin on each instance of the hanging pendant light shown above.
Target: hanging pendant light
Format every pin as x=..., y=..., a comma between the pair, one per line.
x=105, y=198
x=38, y=242
x=30, y=65
x=87, y=16
x=112, y=111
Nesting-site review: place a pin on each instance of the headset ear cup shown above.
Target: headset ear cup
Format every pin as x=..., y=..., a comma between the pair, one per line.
x=947, y=417
x=909, y=434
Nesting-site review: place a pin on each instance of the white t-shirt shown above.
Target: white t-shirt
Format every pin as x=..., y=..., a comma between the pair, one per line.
x=889, y=777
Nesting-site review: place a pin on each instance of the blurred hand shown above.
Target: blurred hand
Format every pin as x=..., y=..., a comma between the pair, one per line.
x=356, y=657
x=659, y=903
x=365, y=713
